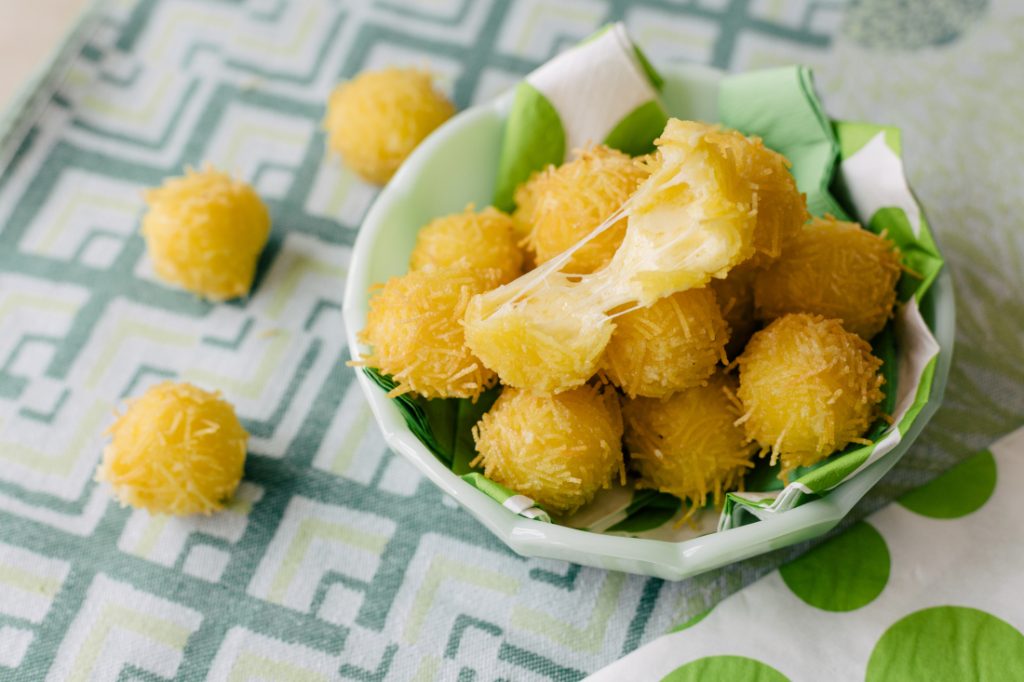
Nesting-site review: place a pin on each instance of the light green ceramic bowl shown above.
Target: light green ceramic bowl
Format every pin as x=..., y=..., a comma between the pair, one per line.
x=456, y=165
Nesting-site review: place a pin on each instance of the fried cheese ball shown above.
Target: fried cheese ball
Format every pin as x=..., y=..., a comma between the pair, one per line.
x=375, y=120
x=474, y=240
x=674, y=344
x=204, y=232
x=692, y=219
x=781, y=207
x=177, y=449
x=808, y=388
x=835, y=269
x=559, y=450
x=688, y=445
x=558, y=206
x=415, y=328
x=735, y=295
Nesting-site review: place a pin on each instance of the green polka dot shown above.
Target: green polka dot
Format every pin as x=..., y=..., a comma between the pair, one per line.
x=843, y=574
x=963, y=489
x=725, y=668
x=947, y=643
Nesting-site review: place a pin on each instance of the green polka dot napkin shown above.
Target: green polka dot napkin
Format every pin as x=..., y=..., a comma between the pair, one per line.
x=926, y=589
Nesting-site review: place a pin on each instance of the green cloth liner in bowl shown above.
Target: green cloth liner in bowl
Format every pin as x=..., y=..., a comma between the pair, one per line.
x=849, y=170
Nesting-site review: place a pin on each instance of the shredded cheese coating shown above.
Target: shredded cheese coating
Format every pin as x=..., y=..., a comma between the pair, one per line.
x=835, y=269
x=176, y=450
x=415, y=328
x=559, y=450
x=375, y=120
x=672, y=345
x=470, y=240
x=204, y=232
x=809, y=388
x=688, y=445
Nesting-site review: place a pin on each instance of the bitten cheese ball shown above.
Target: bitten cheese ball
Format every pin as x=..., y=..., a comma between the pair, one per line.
x=559, y=450
x=834, y=269
x=674, y=344
x=689, y=445
x=415, y=328
x=204, y=232
x=809, y=388
x=484, y=240
x=691, y=220
x=375, y=120
x=176, y=450
x=735, y=295
x=560, y=205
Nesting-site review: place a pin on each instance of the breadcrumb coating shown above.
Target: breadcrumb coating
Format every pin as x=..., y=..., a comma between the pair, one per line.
x=375, y=120
x=470, y=240
x=177, y=449
x=688, y=445
x=835, y=269
x=559, y=206
x=204, y=232
x=672, y=345
x=415, y=328
x=559, y=450
x=808, y=388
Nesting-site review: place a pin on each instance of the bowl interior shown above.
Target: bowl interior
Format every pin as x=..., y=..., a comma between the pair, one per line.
x=457, y=165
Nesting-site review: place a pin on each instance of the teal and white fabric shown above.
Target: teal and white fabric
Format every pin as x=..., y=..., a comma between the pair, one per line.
x=927, y=589
x=338, y=561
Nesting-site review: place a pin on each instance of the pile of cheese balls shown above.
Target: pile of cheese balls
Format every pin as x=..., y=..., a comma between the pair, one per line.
x=668, y=317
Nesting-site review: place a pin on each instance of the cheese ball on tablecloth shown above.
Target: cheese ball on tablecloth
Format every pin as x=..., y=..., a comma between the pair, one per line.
x=204, y=232
x=375, y=120
x=558, y=450
x=177, y=449
x=674, y=344
x=688, y=444
x=835, y=269
x=808, y=388
x=471, y=239
x=415, y=328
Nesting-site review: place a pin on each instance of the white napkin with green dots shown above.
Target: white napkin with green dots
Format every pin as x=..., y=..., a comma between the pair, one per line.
x=601, y=91
x=928, y=588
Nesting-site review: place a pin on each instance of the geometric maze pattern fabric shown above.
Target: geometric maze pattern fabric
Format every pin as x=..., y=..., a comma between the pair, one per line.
x=336, y=560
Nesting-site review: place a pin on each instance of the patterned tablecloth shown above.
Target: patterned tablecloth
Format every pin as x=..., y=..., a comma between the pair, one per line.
x=338, y=560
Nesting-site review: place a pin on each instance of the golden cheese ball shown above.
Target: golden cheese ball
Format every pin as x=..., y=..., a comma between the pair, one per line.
x=558, y=450
x=176, y=450
x=415, y=328
x=834, y=269
x=204, y=232
x=809, y=388
x=559, y=206
x=735, y=295
x=674, y=344
x=375, y=120
x=688, y=444
x=781, y=207
x=484, y=240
